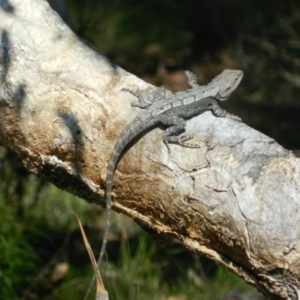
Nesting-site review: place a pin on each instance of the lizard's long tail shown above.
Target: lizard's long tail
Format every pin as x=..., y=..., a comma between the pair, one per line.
x=119, y=147
x=109, y=177
x=114, y=158
x=110, y=174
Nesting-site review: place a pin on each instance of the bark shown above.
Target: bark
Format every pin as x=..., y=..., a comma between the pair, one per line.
x=235, y=199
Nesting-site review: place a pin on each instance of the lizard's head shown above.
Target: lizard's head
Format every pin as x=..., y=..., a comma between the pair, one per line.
x=225, y=83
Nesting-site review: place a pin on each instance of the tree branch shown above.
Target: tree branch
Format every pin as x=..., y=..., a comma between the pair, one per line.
x=235, y=199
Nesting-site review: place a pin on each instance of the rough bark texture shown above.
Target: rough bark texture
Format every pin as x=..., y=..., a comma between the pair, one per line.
x=235, y=199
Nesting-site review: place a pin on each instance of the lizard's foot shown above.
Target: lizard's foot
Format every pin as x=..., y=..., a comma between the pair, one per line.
x=136, y=94
x=233, y=117
x=185, y=137
x=220, y=112
x=179, y=140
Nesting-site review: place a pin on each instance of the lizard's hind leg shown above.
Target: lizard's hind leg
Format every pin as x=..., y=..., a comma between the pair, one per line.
x=173, y=133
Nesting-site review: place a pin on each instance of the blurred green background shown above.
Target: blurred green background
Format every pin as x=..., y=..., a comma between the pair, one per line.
x=42, y=253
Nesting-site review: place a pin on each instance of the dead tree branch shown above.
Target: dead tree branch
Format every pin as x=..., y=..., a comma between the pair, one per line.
x=235, y=199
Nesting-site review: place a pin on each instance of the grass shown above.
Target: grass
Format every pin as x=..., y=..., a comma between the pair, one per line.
x=46, y=234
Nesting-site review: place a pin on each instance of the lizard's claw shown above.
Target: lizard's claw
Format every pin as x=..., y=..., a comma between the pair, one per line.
x=167, y=145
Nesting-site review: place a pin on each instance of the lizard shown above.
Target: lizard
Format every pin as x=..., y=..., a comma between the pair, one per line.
x=171, y=110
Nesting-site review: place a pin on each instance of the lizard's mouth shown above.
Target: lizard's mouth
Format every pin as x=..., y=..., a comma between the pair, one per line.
x=224, y=96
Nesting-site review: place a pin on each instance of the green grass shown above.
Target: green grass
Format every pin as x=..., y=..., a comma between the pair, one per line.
x=38, y=233
x=46, y=233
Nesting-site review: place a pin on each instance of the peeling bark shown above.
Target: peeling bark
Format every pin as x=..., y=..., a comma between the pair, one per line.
x=234, y=199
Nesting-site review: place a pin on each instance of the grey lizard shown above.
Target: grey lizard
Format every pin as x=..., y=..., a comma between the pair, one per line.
x=171, y=110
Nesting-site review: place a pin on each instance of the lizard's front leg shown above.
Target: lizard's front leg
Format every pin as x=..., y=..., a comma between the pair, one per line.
x=144, y=102
x=219, y=112
x=172, y=133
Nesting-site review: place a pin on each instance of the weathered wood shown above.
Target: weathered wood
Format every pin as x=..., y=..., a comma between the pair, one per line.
x=235, y=199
